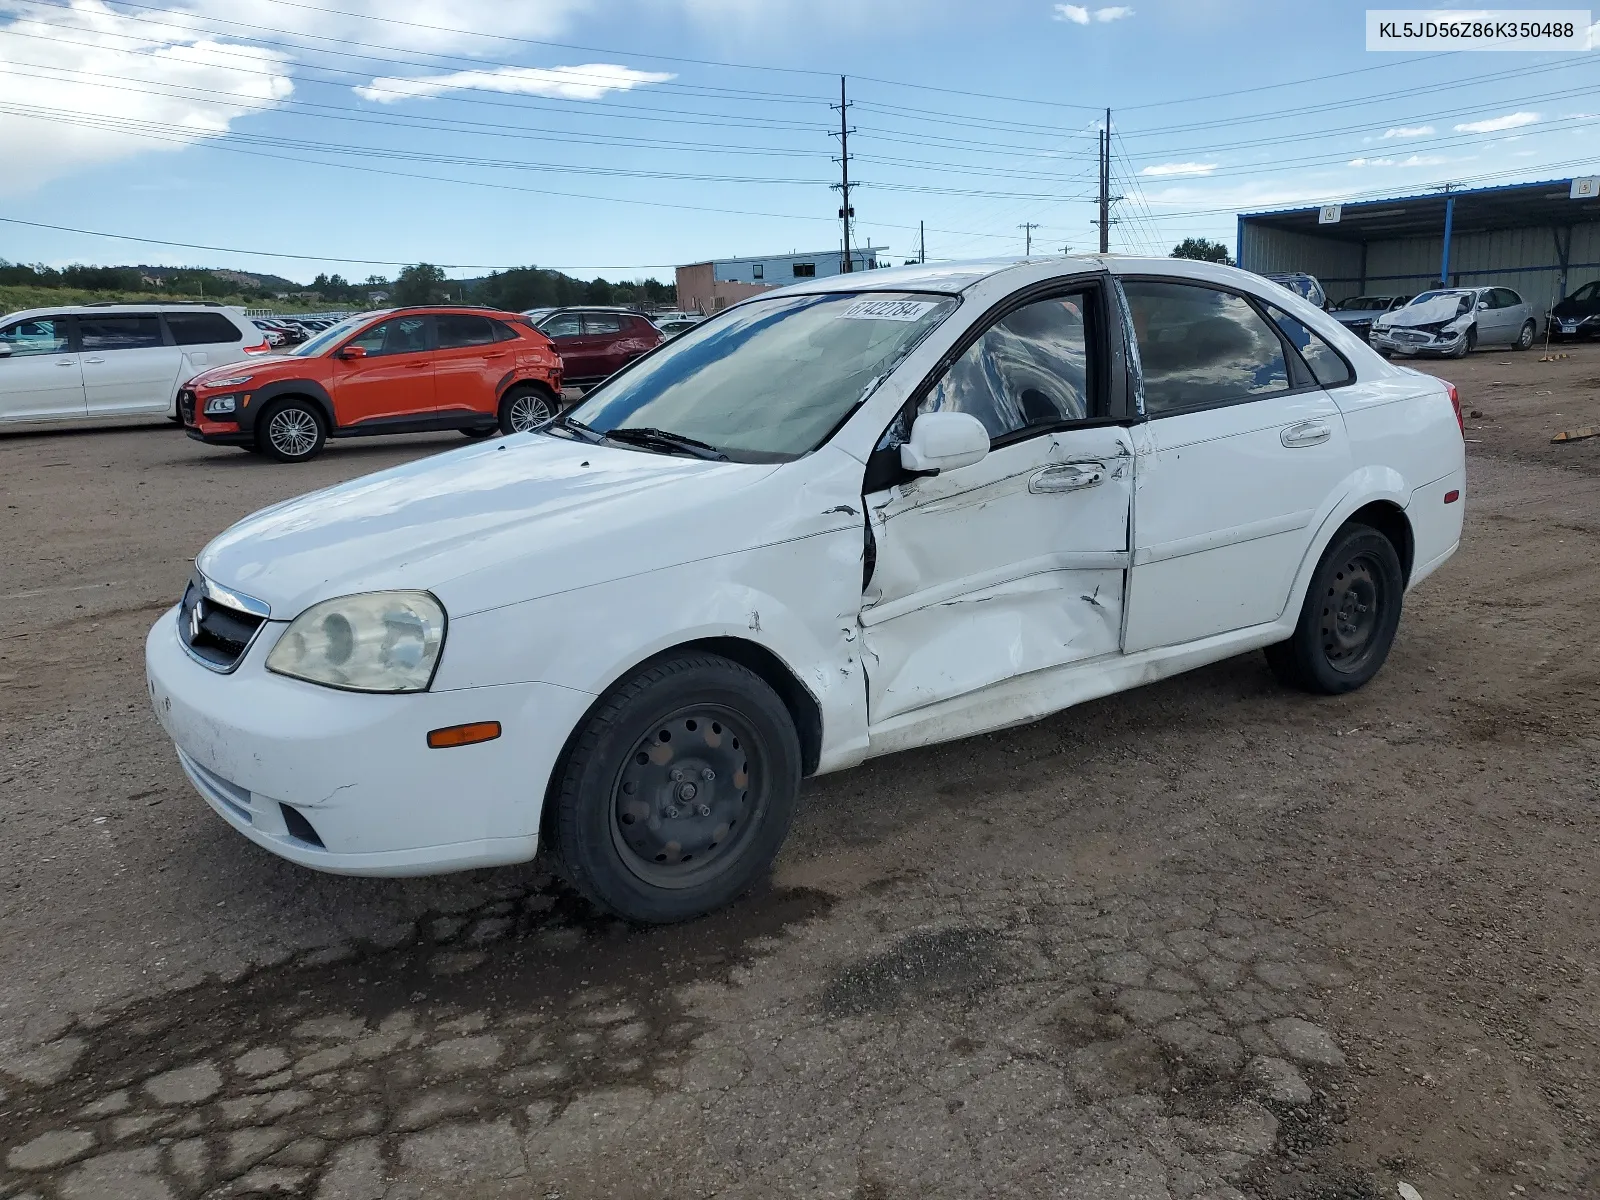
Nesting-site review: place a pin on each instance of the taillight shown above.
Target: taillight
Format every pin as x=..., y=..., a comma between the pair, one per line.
x=1455, y=403
x=261, y=347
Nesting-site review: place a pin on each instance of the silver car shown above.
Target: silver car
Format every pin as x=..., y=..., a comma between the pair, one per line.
x=1453, y=321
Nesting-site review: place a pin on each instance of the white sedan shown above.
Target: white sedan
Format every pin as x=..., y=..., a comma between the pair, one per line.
x=843, y=519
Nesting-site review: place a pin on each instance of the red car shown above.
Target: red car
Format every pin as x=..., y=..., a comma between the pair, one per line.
x=402, y=370
x=595, y=342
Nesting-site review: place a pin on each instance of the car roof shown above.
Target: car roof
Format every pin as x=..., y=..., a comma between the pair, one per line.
x=73, y=310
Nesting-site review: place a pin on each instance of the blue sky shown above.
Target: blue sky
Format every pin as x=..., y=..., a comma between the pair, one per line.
x=620, y=137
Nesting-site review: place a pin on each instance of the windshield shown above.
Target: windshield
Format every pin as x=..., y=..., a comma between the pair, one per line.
x=769, y=380
x=1426, y=296
x=1587, y=292
x=1362, y=303
x=312, y=347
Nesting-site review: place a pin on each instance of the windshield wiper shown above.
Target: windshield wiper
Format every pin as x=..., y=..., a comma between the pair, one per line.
x=648, y=436
x=578, y=429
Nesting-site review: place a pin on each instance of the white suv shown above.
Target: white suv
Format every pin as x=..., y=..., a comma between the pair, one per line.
x=104, y=362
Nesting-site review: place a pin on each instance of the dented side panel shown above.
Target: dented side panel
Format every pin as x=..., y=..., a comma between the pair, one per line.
x=1012, y=565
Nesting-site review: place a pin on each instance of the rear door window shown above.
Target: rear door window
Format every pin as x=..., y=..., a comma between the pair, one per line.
x=464, y=329
x=602, y=323
x=38, y=335
x=1202, y=348
x=127, y=331
x=202, y=328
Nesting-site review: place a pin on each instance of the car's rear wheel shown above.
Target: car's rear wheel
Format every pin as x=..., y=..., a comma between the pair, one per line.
x=678, y=790
x=291, y=431
x=1349, y=618
x=1525, y=336
x=526, y=407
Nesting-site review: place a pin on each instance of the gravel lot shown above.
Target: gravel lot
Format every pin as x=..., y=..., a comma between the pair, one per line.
x=1203, y=939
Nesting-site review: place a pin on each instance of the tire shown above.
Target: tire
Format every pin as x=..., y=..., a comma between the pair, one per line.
x=1349, y=618
x=291, y=431
x=479, y=434
x=635, y=808
x=526, y=406
x=1468, y=343
x=1525, y=336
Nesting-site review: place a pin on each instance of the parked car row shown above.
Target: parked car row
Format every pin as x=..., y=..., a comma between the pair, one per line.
x=291, y=331
x=1451, y=322
x=595, y=342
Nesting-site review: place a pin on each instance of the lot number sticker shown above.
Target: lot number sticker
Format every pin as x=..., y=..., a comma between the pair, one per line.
x=888, y=310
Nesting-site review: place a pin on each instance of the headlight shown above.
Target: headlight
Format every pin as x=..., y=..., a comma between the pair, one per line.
x=219, y=405
x=373, y=642
x=230, y=381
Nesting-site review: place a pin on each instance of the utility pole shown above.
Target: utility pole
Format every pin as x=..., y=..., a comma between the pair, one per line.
x=845, y=211
x=1027, y=228
x=922, y=241
x=1106, y=220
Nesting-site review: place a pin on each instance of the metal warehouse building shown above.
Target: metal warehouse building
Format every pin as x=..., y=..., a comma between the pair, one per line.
x=1542, y=239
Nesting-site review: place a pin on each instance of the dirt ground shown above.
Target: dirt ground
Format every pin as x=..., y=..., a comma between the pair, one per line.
x=1205, y=939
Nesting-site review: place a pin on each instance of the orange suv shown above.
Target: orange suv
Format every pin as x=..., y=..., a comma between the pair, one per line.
x=403, y=370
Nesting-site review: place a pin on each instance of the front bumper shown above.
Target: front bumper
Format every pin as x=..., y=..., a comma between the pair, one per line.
x=356, y=768
x=226, y=437
x=1395, y=341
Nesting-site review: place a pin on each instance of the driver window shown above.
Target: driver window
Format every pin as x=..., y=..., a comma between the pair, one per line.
x=566, y=325
x=1029, y=369
x=403, y=335
x=39, y=335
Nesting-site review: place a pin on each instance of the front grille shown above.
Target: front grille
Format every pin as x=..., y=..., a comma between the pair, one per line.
x=186, y=406
x=215, y=633
x=1410, y=335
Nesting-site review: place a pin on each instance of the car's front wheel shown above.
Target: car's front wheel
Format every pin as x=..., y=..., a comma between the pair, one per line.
x=1468, y=343
x=1350, y=615
x=291, y=431
x=678, y=790
x=1525, y=336
x=526, y=407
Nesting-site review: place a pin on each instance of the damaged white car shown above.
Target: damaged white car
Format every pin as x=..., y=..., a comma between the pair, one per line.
x=1455, y=321
x=853, y=517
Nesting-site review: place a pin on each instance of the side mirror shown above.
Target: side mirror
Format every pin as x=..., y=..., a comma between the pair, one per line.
x=1482, y=304
x=5, y=351
x=353, y=352
x=943, y=441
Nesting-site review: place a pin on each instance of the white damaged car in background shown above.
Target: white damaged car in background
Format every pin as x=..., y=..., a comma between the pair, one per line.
x=848, y=518
x=1454, y=321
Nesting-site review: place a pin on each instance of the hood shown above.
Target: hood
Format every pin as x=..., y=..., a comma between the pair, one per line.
x=249, y=365
x=465, y=524
x=1440, y=308
x=1576, y=308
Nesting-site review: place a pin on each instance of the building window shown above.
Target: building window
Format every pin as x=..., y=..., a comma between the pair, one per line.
x=805, y=270
x=758, y=271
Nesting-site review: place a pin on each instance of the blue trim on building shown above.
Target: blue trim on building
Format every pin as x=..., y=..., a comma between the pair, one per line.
x=1444, y=259
x=1503, y=187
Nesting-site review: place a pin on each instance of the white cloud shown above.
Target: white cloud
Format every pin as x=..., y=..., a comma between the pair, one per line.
x=1077, y=14
x=1495, y=124
x=1415, y=160
x=404, y=24
x=1180, y=168
x=1408, y=131
x=93, y=87
x=588, y=82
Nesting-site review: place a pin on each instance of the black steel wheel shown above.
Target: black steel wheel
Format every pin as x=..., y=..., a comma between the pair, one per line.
x=291, y=431
x=678, y=790
x=1350, y=615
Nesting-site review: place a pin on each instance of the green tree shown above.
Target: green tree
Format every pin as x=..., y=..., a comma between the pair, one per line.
x=420, y=283
x=1202, y=249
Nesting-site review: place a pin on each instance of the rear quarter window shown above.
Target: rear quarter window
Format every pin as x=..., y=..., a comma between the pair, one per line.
x=202, y=329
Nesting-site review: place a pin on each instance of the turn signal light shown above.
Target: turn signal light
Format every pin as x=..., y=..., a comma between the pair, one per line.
x=261, y=347
x=463, y=735
x=1455, y=403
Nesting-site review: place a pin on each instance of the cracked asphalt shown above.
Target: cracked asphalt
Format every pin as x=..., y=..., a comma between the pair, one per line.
x=1207, y=939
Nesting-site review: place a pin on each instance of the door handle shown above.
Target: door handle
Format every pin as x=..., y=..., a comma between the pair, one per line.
x=66, y=362
x=1069, y=477
x=94, y=360
x=421, y=366
x=1307, y=433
